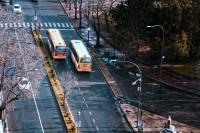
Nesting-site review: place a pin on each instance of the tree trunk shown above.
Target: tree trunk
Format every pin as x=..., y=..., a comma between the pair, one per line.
x=75, y=7
x=80, y=14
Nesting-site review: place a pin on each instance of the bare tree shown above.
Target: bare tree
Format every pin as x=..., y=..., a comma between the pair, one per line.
x=20, y=61
x=100, y=11
x=68, y=81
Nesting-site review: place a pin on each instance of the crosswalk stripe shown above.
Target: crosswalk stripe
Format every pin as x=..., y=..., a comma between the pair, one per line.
x=24, y=25
x=46, y=25
x=62, y=24
x=32, y=24
x=58, y=24
x=19, y=24
x=54, y=24
x=67, y=24
x=15, y=25
x=41, y=24
x=50, y=25
x=28, y=24
x=6, y=25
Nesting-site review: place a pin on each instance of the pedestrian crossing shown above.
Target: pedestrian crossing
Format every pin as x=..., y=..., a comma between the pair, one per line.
x=32, y=24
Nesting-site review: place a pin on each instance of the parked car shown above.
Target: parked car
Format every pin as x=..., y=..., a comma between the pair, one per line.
x=17, y=8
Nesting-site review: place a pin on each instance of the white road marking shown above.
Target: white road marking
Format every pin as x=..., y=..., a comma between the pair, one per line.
x=46, y=25
x=90, y=112
x=19, y=24
x=50, y=25
x=54, y=24
x=83, y=99
x=67, y=24
x=93, y=120
x=24, y=25
x=28, y=24
x=62, y=24
x=58, y=24
x=86, y=105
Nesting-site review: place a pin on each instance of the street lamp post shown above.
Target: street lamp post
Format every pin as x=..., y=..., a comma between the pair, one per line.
x=139, y=113
x=162, y=57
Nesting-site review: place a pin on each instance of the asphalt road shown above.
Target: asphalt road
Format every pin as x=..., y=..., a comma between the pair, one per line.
x=92, y=97
x=160, y=99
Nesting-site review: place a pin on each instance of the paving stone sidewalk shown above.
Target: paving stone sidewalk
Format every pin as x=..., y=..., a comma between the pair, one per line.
x=153, y=123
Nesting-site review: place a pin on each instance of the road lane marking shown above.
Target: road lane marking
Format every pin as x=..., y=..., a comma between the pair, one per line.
x=86, y=105
x=71, y=25
x=41, y=24
x=50, y=25
x=54, y=24
x=93, y=120
x=90, y=112
x=58, y=24
x=46, y=25
x=6, y=25
x=67, y=24
x=24, y=25
x=81, y=93
x=83, y=99
x=32, y=24
x=10, y=24
x=15, y=25
x=28, y=24
x=62, y=24
x=97, y=128
x=19, y=25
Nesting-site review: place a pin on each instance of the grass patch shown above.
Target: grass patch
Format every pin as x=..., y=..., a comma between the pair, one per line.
x=187, y=69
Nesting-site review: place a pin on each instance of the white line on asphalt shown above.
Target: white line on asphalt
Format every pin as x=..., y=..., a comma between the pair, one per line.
x=54, y=24
x=50, y=25
x=41, y=24
x=83, y=99
x=71, y=25
x=62, y=24
x=24, y=25
x=1, y=25
x=19, y=24
x=97, y=128
x=28, y=24
x=86, y=105
x=81, y=93
x=10, y=24
x=79, y=88
x=46, y=25
x=93, y=120
x=90, y=112
x=32, y=24
x=6, y=25
x=58, y=24
x=67, y=24
x=15, y=25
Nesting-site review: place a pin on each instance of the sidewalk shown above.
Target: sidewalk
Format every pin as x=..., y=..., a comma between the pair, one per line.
x=153, y=123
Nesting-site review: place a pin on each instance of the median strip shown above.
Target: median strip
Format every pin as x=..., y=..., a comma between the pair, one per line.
x=58, y=91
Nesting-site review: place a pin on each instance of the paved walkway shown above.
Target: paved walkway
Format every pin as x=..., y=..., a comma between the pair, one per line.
x=153, y=123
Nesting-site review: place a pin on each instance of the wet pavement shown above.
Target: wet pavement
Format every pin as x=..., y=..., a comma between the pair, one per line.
x=167, y=77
